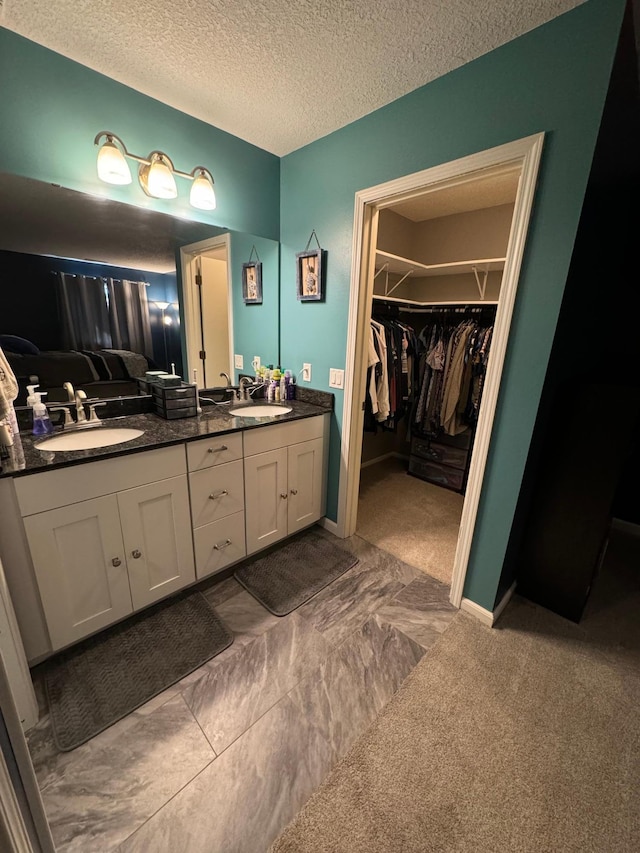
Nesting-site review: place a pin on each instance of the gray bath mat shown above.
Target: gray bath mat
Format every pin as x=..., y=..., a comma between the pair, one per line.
x=286, y=578
x=104, y=678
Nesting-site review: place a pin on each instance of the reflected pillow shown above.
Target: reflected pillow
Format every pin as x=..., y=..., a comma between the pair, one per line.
x=21, y=346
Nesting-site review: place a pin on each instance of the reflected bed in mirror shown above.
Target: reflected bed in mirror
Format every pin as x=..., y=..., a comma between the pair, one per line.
x=90, y=292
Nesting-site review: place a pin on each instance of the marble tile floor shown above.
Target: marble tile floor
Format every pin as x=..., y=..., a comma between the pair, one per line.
x=223, y=760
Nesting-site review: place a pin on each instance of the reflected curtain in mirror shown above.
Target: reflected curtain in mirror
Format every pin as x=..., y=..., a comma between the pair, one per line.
x=129, y=316
x=99, y=313
x=84, y=313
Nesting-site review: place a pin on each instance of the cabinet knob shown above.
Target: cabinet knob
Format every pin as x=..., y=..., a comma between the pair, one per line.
x=214, y=495
x=217, y=449
x=116, y=562
x=294, y=491
x=284, y=496
x=222, y=545
x=136, y=554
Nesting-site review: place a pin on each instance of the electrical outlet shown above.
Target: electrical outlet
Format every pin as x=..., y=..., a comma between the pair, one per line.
x=238, y=362
x=306, y=372
x=336, y=378
x=256, y=363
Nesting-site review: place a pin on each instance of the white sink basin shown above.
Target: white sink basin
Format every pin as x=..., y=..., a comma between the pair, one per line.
x=88, y=439
x=264, y=410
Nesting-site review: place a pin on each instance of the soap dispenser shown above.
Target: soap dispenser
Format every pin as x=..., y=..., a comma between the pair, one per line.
x=41, y=422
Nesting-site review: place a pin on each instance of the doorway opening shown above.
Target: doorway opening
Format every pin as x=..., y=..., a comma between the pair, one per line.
x=437, y=257
x=208, y=310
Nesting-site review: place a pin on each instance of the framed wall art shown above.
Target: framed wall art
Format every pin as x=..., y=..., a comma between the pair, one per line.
x=310, y=266
x=252, y=282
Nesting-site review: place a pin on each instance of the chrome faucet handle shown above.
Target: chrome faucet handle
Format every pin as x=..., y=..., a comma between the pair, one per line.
x=243, y=393
x=93, y=404
x=68, y=420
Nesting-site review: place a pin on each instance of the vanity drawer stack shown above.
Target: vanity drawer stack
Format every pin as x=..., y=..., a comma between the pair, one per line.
x=443, y=460
x=216, y=486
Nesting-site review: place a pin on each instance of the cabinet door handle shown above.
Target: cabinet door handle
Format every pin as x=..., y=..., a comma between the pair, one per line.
x=136, y=554
x=222, y=545
x=217, y=449
x=284, y=496
x=214, y=495
x=294, y=491
x=116, y=562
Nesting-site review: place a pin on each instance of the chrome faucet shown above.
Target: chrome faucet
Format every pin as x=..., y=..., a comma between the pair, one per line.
x=243, y=390
x=228, y=378
x=68, y=387
x=81, y=415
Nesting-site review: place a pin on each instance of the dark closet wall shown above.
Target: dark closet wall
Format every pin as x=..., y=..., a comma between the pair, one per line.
x=590, y=397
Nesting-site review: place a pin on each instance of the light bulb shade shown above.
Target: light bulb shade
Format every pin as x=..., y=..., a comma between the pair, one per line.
x=157, y=178
x=112, y=165
x=202, y=194
x=162, y=305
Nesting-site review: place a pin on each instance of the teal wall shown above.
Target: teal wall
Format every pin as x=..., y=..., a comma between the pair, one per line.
x=51, y=109
x=256, y=327
x=553, y=79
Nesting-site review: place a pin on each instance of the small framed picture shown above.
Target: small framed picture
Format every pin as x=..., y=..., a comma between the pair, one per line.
x=309, y=275
x=252, y=283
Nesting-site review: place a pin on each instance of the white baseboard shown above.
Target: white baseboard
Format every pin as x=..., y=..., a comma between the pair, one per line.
x=393, y=455
x=626, y=526
x=487, y=617
x=329, y=525
x=376, y=460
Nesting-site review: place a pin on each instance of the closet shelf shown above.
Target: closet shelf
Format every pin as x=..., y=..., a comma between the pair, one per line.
x=418, y=304
x=397, y=264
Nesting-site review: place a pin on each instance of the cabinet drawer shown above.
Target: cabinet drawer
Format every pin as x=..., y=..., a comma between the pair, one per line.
x=216, y=492
x=215, y=450
x=442, y=475
x=273, y=437
x=219, y=544
x=434, y=451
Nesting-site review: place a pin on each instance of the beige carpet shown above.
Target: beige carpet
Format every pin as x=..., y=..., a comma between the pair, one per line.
x=415, y=521
x=521, y=738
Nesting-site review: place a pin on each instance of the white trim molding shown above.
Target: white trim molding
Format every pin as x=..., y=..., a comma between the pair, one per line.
x=488, y=617
x=522, y=154
x=329, y=525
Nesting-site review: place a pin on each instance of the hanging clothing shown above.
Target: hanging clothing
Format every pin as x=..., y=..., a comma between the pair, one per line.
x=391, y=379
x=454, y=353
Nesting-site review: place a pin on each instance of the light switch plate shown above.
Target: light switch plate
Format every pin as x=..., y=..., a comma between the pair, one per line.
x=255, y=362
x=306, y=372
x=336, y=378
x=238, y=362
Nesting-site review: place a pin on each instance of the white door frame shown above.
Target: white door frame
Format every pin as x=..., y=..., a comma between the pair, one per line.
x=191, y=310
x=524, y=152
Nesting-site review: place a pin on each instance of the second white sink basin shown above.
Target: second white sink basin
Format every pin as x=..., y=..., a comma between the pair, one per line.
x=264, y=410
x=88, y=439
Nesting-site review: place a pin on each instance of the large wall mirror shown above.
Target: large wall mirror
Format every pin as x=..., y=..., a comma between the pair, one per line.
x=92, y=292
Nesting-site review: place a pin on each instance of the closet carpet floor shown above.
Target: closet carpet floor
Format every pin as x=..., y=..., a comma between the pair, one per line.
x=416, y=521
x=222, y=761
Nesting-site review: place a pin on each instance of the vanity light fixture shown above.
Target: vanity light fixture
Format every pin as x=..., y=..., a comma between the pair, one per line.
x=155, y=174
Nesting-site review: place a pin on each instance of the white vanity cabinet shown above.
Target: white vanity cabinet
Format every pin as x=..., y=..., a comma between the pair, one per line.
x=78, y=557
x=97, y=559
x=285, y=479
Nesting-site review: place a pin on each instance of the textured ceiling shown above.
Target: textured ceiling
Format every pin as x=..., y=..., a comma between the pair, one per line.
x=489, y=188
x=278, y=73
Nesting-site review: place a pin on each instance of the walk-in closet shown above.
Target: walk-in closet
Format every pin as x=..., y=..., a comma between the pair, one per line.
x=438, y=271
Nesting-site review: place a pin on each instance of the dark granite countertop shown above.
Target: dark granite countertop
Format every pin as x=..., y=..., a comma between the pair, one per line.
x=158, y=432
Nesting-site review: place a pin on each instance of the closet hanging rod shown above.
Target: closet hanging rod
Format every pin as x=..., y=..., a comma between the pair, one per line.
x=414, y=303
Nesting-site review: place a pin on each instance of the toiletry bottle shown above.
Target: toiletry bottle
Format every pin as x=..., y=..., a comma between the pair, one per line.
x=31, y=399
x=41, y=423
x=283, y=388
x=292, y=388
x=287, y=385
